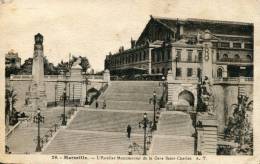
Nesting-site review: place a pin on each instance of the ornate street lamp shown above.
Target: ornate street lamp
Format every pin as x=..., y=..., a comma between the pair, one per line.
x=64, y=122
x=154, y=99
x=145, y=123
x=87, y=83
x=55, y=94
x=38, y=119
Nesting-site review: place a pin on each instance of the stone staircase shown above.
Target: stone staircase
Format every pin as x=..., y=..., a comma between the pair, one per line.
x=130, y=95
x=107, y=121
x=24, y=140
x=172, y=145
x=174, y=134
x=85, y=142
x=175, y=123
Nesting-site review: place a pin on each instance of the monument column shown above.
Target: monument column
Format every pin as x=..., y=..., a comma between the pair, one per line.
x=37, y=90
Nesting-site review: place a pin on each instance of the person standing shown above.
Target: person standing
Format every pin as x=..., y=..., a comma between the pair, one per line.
x=128, y=129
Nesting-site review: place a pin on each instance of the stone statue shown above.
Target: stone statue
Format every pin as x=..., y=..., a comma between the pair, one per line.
x=77, y=62
x=207, y=96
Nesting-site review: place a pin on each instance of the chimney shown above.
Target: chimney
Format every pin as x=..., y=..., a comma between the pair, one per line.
x=132, y=43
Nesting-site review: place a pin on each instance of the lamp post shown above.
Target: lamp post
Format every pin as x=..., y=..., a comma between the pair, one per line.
x=38, y=119
x=87, y=83
x=154, y=106
x=73, y=92
x=144, y=123
x=55, y=95
x=64, y=103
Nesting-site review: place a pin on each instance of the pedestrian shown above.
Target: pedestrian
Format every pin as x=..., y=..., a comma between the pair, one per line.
x=128, y=129
x=96, y=104
x=104, y=104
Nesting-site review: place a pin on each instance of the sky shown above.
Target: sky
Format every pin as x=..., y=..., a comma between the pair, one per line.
x=94, y=28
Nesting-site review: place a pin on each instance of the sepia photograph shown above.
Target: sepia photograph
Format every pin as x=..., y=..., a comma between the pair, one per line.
x=115, y=81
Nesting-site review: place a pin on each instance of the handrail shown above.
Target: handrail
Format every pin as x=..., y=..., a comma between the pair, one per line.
x=11, y=131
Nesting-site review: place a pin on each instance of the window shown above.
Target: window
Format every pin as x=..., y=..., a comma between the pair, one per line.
x=144, y=55
x=214, y=44
x=189, y=56
x=140, y=56
x=153, y=56
x=217, y=56
x=225, y=44
x=178, y=55
x=152, y=71
x=249, y=57
x=248, y=46
x=189, y=72
x=237, y=56
x=200, y=56
x=169, y=54
x=198, y=72
x=163, y=71
x=178, y=72
x=162, y=56
x=225, y=56
x=158, y=56
x=219, y=73
x=158, y=70
x=236, y=45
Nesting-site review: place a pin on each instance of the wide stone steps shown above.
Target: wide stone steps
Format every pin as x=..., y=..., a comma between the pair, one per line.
x=129, y=97
x=175, y=123
x=23, y=140
x=81, y=142
x=173, y=145
x=128, y=105
x=107, y=121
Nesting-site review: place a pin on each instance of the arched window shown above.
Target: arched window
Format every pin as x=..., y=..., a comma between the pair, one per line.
x=220, y=72
x=249, y=57
x=237, y=56
x=163, y=71
x=225, y=56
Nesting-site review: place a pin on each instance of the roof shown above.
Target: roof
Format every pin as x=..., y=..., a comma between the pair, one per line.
x=172, y=21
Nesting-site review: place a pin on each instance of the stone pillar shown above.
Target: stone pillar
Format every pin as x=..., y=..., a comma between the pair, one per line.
x=106, y=76
x=38, y=65
x=38, y=92
x=207, y=56
x=149, y=60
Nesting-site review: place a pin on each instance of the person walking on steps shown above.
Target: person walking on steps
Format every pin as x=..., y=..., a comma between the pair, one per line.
x=128, y=129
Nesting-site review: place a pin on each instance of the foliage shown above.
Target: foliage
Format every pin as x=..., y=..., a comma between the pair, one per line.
x=49, y=68
x=10, y=100
x=11, y=71
x=26, y=67
x=238, y=127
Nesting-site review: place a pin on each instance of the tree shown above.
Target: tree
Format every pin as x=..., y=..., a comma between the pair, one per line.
x=11, y=71
x=10, y=100
x=238, y=127
x=26, y=68
x=49, y=68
